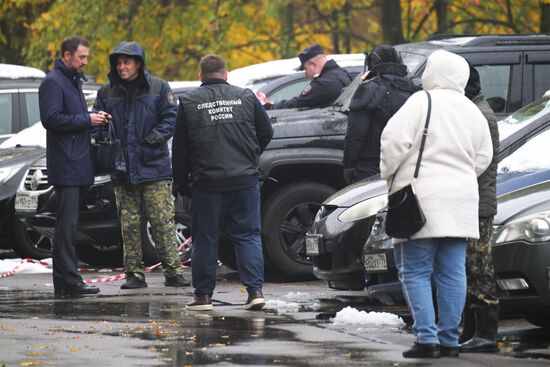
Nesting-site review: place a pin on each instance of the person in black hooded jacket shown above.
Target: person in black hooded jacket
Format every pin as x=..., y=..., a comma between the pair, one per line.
x=143, y=110
x=384, y=90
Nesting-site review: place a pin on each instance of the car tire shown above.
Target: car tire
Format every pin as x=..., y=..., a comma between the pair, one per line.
x=28, y=243
x=286, y=217
x=150, y=256
x=149, y=253
x=226, y=254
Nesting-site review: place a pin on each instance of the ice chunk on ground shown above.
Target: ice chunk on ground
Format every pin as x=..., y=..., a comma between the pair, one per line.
x=350, y=315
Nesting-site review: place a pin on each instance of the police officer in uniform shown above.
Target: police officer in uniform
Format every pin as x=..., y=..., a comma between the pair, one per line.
x=328, y=80
x=221, y=130
x=144, y=109
x=379, y=96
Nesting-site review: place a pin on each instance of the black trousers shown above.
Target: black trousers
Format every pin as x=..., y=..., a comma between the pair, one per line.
x=65, y=270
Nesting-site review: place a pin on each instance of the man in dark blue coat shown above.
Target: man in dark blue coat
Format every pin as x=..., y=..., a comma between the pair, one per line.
x=144, y=112
x=70, y=164
x=328, y=80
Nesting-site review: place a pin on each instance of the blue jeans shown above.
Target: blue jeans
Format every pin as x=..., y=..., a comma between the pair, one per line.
x=238, y=213
x=443, y=259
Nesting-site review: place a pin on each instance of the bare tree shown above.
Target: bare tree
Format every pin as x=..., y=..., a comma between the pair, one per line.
x=544, y=17
x=392, y=28
x=286, y=14
x=441, y=11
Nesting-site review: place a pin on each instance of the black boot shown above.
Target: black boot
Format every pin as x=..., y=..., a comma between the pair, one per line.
x=485, y=337
x=419, y=350
x=468, y=325
x=133, y=282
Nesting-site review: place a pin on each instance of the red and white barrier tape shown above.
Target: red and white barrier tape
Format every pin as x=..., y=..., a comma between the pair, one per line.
x=184, y=248
x=22, y=262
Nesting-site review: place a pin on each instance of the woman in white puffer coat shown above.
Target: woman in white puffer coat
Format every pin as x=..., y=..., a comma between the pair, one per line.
x=458, y=149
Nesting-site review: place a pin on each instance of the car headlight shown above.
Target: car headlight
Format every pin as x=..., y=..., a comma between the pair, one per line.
x=8, y=172
x=363, y=209
x=532, y=228
x=378, y=238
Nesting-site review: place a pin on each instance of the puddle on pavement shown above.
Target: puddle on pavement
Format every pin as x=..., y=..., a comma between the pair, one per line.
x=183, y=338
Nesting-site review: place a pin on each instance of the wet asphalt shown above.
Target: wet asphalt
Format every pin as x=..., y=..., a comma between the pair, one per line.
x=150, y=327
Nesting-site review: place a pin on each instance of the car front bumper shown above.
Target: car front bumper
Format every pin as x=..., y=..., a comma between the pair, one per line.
x=523, y=275
x=340, y=246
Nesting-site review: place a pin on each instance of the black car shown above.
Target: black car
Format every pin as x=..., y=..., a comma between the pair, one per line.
x=14, y=162
x=351, y=220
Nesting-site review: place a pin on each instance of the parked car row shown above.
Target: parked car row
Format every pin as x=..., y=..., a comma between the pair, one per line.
x=347, y=240
x=302, y=165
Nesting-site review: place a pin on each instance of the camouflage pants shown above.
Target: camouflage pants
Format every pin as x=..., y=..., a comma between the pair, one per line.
x=157, y=202
x=479, y=267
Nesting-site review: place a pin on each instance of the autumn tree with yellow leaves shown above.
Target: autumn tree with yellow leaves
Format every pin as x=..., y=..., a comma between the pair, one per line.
x=176, y=33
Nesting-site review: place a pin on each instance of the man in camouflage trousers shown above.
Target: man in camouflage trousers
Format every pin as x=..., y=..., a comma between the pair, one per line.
x=144, y=111
x=481, y=314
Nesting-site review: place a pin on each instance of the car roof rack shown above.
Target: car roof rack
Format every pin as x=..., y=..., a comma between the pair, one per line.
x=477, y=40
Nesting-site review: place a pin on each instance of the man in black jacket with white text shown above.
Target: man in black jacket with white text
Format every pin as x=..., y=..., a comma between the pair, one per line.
x=221, y=130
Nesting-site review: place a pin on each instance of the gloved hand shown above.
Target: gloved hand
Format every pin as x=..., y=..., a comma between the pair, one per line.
x=349, y=175
x=153, y=139
x=263, y=99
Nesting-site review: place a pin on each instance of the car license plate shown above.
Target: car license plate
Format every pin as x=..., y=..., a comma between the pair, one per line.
x=313, y=244
x=26, y=203
x=375, y=262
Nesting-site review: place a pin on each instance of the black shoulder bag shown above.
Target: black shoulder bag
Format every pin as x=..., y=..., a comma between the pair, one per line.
x=108, y=154
x=405, y=216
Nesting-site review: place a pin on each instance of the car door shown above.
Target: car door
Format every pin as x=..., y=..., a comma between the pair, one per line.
x=28, y=107
x=536, y=74
x=500, y=73
x=9, y=113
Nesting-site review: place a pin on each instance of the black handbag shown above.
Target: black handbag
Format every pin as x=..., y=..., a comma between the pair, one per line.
x=405, y=216
x=108, y=154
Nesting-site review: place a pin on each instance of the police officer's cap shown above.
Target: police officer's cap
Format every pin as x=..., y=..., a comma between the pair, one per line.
x=382, y=54
x=308, y=53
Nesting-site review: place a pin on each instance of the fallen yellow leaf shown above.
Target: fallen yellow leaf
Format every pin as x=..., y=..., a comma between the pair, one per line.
x=30, y=363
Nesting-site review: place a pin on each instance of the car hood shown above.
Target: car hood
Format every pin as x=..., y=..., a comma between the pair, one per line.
x=357, y=192
x=32, y=135
x=12, y=156
x=519, y=203
x=14, y=162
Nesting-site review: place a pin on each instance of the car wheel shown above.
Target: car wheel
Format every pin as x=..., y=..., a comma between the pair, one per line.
x=150, y=256
x=29, y=243
x=226, y=254
x=287, y=216
x=542, y=321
